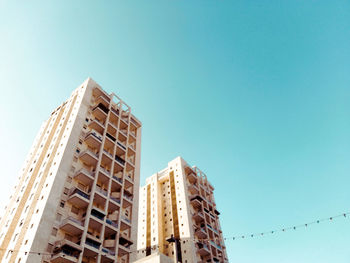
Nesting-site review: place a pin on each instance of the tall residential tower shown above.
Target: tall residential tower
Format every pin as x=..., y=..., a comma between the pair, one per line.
x=76, y=197
x=178, y=219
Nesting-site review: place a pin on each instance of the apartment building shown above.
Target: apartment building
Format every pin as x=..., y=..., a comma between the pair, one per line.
x=178, y=218
x=76, y=196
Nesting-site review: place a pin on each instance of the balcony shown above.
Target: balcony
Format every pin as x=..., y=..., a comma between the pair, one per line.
x=84, y=176
x=121, y=145
x=64, y=256
x=124, y=132
x=135, y=122
x=115, y=111
x=133, y=133
x=193, y=189
x=126, y=220
x=191, y=174
x=132, y=146
x=96, y=125
x=97, y=213
x=101, y=191
x=198, y=217
x=118, y=179
x=93, y=244
x=89, y=158
x=105, y=171
x=130, y=176
x=116, y=200
x=131, y=160
x=128, y=195
x=111, y=137
x=107, y=158
x=107, y=255
x=215, y=245
x=212, y=229
x=66, y=251
x=124, y=119
x=111, y=223
x=69, y=244
x=72, y=226
x=115, y=196
x=120, y=160
x=196, y=201
x=203, y=249
x=78, y=198
x=100, y=111
x=124, y=245
x=201, y=233
x=102, y=100
x=93, y=139
x=108, y=153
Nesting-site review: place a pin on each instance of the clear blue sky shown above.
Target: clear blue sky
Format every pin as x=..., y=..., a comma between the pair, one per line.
x=255, y=93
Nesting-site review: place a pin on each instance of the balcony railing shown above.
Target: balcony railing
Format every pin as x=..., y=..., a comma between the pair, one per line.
x=97, y=214
x=108, y=153
x=130, y=175
x=121, y=145
x=110, y=222
x=79, y=192
x=84, y=172
x=133, y=133
x=99, y=122
x=64, y=254
x=128, y=197
x=110, y=137
x=215, y=245
x=118, y=179
x=104, y=192
x=72, y=219
x=126, y=219
x=92, y=243
x=105, y=171
x=115, y=200
x=134, y=122
x=115, y=111
x=132, y=146
x=102, y=107
x=213, y=229
x=119, y=160
x=95, y=134
x=88, y=157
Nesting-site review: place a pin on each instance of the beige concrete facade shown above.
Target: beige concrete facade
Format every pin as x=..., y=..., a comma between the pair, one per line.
x=178, y=201
x=76, y=196
x=155, y=258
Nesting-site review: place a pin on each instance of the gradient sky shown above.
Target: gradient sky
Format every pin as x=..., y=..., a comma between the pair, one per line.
x=255, y=93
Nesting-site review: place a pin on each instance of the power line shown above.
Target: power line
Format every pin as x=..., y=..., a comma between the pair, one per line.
x=293, y=227
x=236, y=237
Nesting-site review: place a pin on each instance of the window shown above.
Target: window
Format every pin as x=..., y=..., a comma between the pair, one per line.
x=54, y=231
x=58, y=217
x=62, y=203
x=49, y=247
